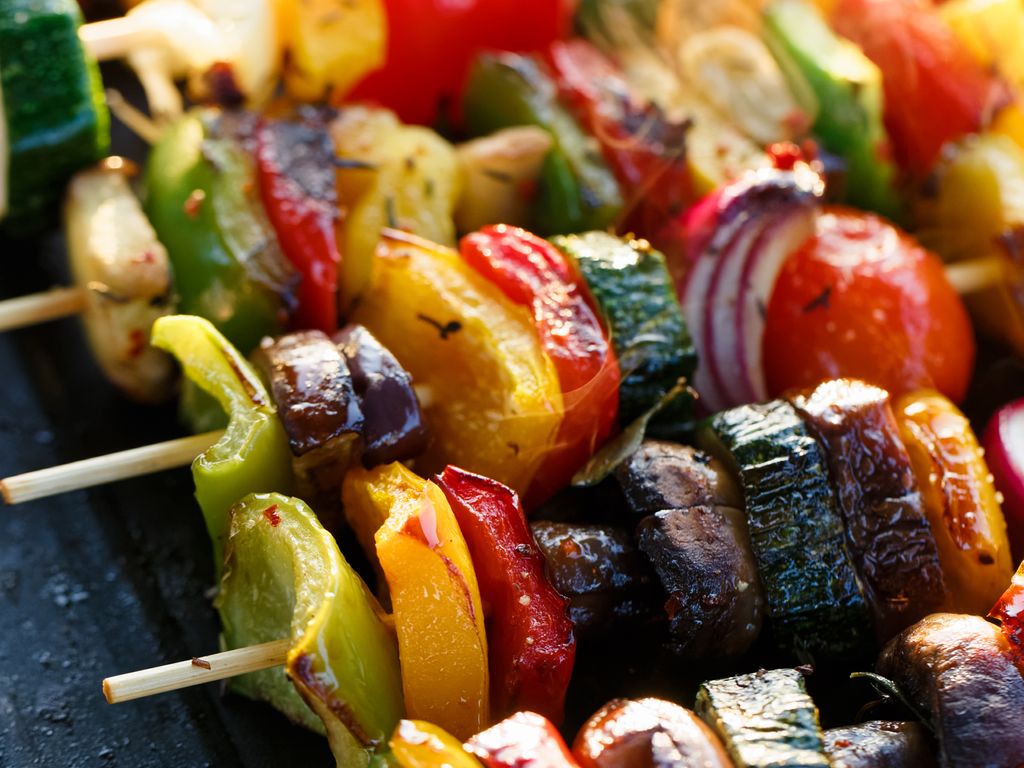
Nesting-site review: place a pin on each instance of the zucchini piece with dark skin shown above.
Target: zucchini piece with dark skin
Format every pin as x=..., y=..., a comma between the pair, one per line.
x=56, y=119
x=814, y=599
x=766, y=719
x=577, y=189
x=959, y=669
x=880, y=744
x=647, y=733
x=600, y=572
x=887, y=531
x=631, y=285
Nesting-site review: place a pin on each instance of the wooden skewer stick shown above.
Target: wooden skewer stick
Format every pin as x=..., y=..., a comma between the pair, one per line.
x=116, y=38
x=975, y=275
x=41, y=307
x=206, y=669
x=105, y=469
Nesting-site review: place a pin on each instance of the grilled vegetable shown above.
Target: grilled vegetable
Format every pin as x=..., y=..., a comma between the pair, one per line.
x=253, y=455
x=532, y=272
x=202, y=198
x=53, y=120
x=880, y=744
x=114, y=254
x=796, y=532
x=632, y=288
x=532, y=647
x=285, y=577
x=524, y=739
x=662, y=475
x=647, y=733
x=601, y=573
x=764, y=719
x=317, y=404
x=449, y=326
x=1009, y=612
x=577, y=190
x=389, y=175
x=298, y=190
x=439, y=617
x=887, y=532
x=418, y=744
x=393, y=427
x=958, y=668
x=959, y=500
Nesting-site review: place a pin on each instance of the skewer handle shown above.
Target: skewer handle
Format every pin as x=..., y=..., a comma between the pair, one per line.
x=115, y=38
x=41, y=307
x=207, y=669
x=105, y=469
x=975, y=275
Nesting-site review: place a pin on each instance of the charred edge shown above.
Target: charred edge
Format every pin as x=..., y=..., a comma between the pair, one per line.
x=244, y=380
x=351, y=164
x=460, y=580
x=301, y=670
x=499, y=176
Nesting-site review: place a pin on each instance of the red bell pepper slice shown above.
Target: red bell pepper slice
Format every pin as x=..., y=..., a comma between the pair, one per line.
x=297, y=185
x=525, y=740
x=935, y=91
x=532, y=646
x=645, y=149
x=534, y=274
x=1009, y=612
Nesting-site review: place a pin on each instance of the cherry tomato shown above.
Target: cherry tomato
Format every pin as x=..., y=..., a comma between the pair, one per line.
x=861, y=299
x=432, y=42
x=935, y=90
x=533, y=273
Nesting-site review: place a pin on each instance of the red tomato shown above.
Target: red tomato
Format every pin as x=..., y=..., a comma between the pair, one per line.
x=935, y=91
x=535, y=274
x=432, y=42
x=861, y=299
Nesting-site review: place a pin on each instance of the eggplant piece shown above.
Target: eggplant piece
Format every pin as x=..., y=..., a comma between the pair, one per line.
x=703, y=559
x=663, y=475
x=600, y=572
x=959, y=669
x=316, y=401
x=887, y=531
x=880, y=744
x=647, y=733
x=766, y=719
x=393, y=428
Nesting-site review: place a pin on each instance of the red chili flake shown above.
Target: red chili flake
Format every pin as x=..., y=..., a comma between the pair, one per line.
x=785, y=155
x=194, y=202
x=203, y=663
x=136, y=343
x=272, y=516
x=841, y=743
x=146, y=257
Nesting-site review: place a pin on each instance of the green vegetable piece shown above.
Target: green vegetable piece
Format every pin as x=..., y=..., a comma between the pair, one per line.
x=284, y=576
x=253, y=454
x=633, y=289
x=577, y=191
x=765, y=720
x=848, y=87
x=52, y=106
x=814, y=598
x=201, y=199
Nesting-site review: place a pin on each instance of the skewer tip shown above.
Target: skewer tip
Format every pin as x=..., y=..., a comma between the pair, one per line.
x=107, y=693
x=5, y=493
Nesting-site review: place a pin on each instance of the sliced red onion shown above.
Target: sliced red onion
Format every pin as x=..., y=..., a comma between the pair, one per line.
x=1004, y=454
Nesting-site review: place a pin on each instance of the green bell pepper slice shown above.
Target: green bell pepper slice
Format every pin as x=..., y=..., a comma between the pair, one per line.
x=848, y=87
x=253, y=454
x=577, y=191
x=284, y=576
x=202, y=197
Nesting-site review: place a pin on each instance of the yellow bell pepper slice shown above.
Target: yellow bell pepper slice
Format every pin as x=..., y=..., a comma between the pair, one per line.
x=331, y=44
x=992, y=31
x=418, y=744
x=1009, y=122
x=390, y=175
x=437, y=610
x=491, y=396
x=959, y=498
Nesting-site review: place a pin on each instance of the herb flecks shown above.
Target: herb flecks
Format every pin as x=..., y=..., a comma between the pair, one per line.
x=821, y=301
x=444, y=330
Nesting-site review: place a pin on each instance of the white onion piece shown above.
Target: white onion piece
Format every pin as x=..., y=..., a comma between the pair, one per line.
x=779, y=239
